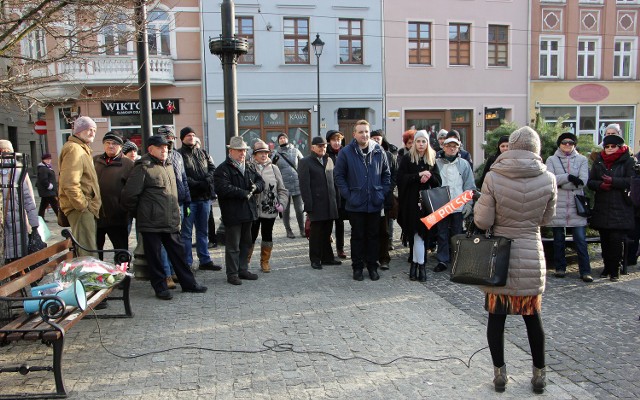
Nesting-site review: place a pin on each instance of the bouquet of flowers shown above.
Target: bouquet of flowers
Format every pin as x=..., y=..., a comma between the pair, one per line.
x=93, y=273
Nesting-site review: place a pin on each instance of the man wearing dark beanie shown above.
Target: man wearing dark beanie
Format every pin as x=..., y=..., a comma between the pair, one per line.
x=47, y=186
x=286, y=157
x=199, y=168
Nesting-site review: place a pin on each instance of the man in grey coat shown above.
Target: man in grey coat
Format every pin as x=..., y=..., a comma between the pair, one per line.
x=319, y=196
x=286, y=157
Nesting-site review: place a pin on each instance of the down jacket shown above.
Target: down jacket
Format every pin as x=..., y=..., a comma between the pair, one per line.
x=274, y=192
x=14, y=236
x=289, y=172
x=363, y=179
x=78, y=186
x=612, y=209
x=562, y=165
x=519, y=196
x=150, y=194
x=232, y=188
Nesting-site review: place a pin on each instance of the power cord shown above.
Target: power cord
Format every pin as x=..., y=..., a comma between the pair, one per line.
x=276, y=347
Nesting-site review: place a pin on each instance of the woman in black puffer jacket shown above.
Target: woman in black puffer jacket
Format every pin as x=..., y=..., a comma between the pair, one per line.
x=610, y=179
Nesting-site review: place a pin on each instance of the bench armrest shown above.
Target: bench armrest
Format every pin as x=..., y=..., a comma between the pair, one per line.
x=121, y=255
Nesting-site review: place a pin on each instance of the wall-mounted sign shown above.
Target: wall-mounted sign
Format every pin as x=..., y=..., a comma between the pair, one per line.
x=164, y=106
x=393, y=114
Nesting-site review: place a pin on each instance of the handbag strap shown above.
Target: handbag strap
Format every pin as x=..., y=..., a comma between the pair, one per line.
x=473, y=230
x=565, y=170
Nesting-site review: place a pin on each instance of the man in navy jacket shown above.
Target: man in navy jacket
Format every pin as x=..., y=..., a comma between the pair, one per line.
x=363, y=178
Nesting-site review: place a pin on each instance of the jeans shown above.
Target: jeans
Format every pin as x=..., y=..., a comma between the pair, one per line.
x=448, y=227
x=559, y=249
x=199, y=217
x=297, y=205
x=166, y=264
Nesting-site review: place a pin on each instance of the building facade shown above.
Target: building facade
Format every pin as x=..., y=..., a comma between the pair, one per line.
x=455, y=64
x=584, y=65
x=277, y=80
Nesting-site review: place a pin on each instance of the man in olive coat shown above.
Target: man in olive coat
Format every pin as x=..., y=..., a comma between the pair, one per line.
x=315, y=175
x=152, y=196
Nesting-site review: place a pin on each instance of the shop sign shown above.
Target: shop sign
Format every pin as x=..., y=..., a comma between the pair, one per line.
x=163, y=106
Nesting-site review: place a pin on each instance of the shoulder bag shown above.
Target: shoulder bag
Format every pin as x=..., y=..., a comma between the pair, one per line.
x=583, y=205
x=480, y=259
x=434, y=198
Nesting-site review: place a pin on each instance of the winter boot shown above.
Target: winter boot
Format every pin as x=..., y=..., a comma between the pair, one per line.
x=539, y=380
x=413, y=271
x=265, y=256
x=500, y=378
x=357, y=274
x=250, y=253
x=373, y=272
x=422, y=273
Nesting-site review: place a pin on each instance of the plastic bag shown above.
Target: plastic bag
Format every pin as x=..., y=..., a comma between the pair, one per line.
x=93, y=273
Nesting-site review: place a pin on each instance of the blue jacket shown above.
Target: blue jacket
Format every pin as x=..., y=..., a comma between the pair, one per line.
x=363, y=179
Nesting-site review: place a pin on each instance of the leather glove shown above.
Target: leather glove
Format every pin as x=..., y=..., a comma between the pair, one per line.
x=607, y=179
x=575, y=180
x=605, y=186
x=279, y=208
x=467, y=209
x=476, y=195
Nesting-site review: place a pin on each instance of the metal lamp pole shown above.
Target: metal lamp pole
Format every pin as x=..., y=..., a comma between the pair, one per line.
x=318, y=45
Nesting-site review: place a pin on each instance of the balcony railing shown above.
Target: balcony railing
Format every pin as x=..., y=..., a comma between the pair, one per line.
x=112, y=70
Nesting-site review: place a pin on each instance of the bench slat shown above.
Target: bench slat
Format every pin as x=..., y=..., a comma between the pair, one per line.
x=33, y=276
x=25, y=262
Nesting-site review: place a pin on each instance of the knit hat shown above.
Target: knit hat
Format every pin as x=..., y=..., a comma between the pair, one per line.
x=166, y=130
x=566, y=135
x=503, y=139
x=185, y=131
x=259, y=146
x=407, y=135
x=377, y=132
x=442, y=133
x=525, y=138
x=613, y=139
x=421, y=134
x=280, y=135
x=113, y=135
x=615, y=127
x=453, y=133
x=6, y=145
x=83, y=124
x=331, y=133
x=129, y=146
x=46, y=156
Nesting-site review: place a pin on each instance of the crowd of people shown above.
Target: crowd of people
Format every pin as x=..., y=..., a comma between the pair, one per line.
x=368, y=182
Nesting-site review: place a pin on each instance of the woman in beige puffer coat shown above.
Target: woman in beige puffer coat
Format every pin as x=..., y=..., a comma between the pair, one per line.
x=518, y=196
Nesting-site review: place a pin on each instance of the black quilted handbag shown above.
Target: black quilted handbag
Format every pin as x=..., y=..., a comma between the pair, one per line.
x=434, y=198
x=480, y=259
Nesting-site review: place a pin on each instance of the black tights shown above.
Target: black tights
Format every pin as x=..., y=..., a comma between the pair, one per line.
x=535, y=333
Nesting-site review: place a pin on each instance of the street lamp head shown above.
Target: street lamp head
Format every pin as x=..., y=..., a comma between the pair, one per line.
x=318, y=45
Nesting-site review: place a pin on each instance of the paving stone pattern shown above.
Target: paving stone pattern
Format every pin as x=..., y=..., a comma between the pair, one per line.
x=300, y=333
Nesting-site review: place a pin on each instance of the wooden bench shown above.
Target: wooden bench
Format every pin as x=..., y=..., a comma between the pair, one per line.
x=547, y=244
x=49, y=325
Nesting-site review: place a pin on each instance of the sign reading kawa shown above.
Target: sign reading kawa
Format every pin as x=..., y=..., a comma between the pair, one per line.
x=164, y=106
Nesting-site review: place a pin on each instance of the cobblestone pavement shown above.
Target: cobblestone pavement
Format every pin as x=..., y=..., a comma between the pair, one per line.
x=212, y=345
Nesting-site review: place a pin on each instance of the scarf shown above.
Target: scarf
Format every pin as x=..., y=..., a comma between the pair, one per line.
x=609, y=159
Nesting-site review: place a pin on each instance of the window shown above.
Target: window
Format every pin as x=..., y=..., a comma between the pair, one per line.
x=350, y=41
x=627, y=1
x=588, y=60
x=551, y=60
x=623, y=57
x=498, y=45
x=244, y=29
x=158, y=33
x=115, y=39
x=34, y=45
x=459, y=44
x=420, y=43
x=296, y=41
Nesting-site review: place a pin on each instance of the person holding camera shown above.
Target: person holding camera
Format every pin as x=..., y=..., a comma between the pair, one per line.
x=236, y=181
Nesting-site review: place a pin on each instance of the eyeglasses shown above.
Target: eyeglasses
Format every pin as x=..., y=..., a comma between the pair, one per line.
x=569, y=142
x=611, y=146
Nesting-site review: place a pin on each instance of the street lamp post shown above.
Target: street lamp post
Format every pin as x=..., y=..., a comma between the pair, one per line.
x=318, y=45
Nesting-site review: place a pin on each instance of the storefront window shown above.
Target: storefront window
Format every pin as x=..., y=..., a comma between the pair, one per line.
x=129, y=126
x=267, y=125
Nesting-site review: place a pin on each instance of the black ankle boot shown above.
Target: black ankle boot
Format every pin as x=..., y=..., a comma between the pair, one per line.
x=422, y=273
x=412, y=271
x=357, y=274
x=373, y=273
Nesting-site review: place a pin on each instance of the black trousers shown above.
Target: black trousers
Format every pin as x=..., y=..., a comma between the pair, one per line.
x=383, y=245
x=175, y=251
x=320, y=241
x=339, y=234
x=118, y=235
x=612, y=249
x=535, y=334
x=212, y=226
x=264, y=226
x=365, y=239
x=45, y=201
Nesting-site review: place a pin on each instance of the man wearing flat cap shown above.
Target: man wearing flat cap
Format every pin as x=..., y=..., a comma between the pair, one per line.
x=113, y=170
x=78, y=189
x=47, y=186
x=236, y=181
x=318, y=191
x=334, y=145
x=199, y=168
x=152, y=196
